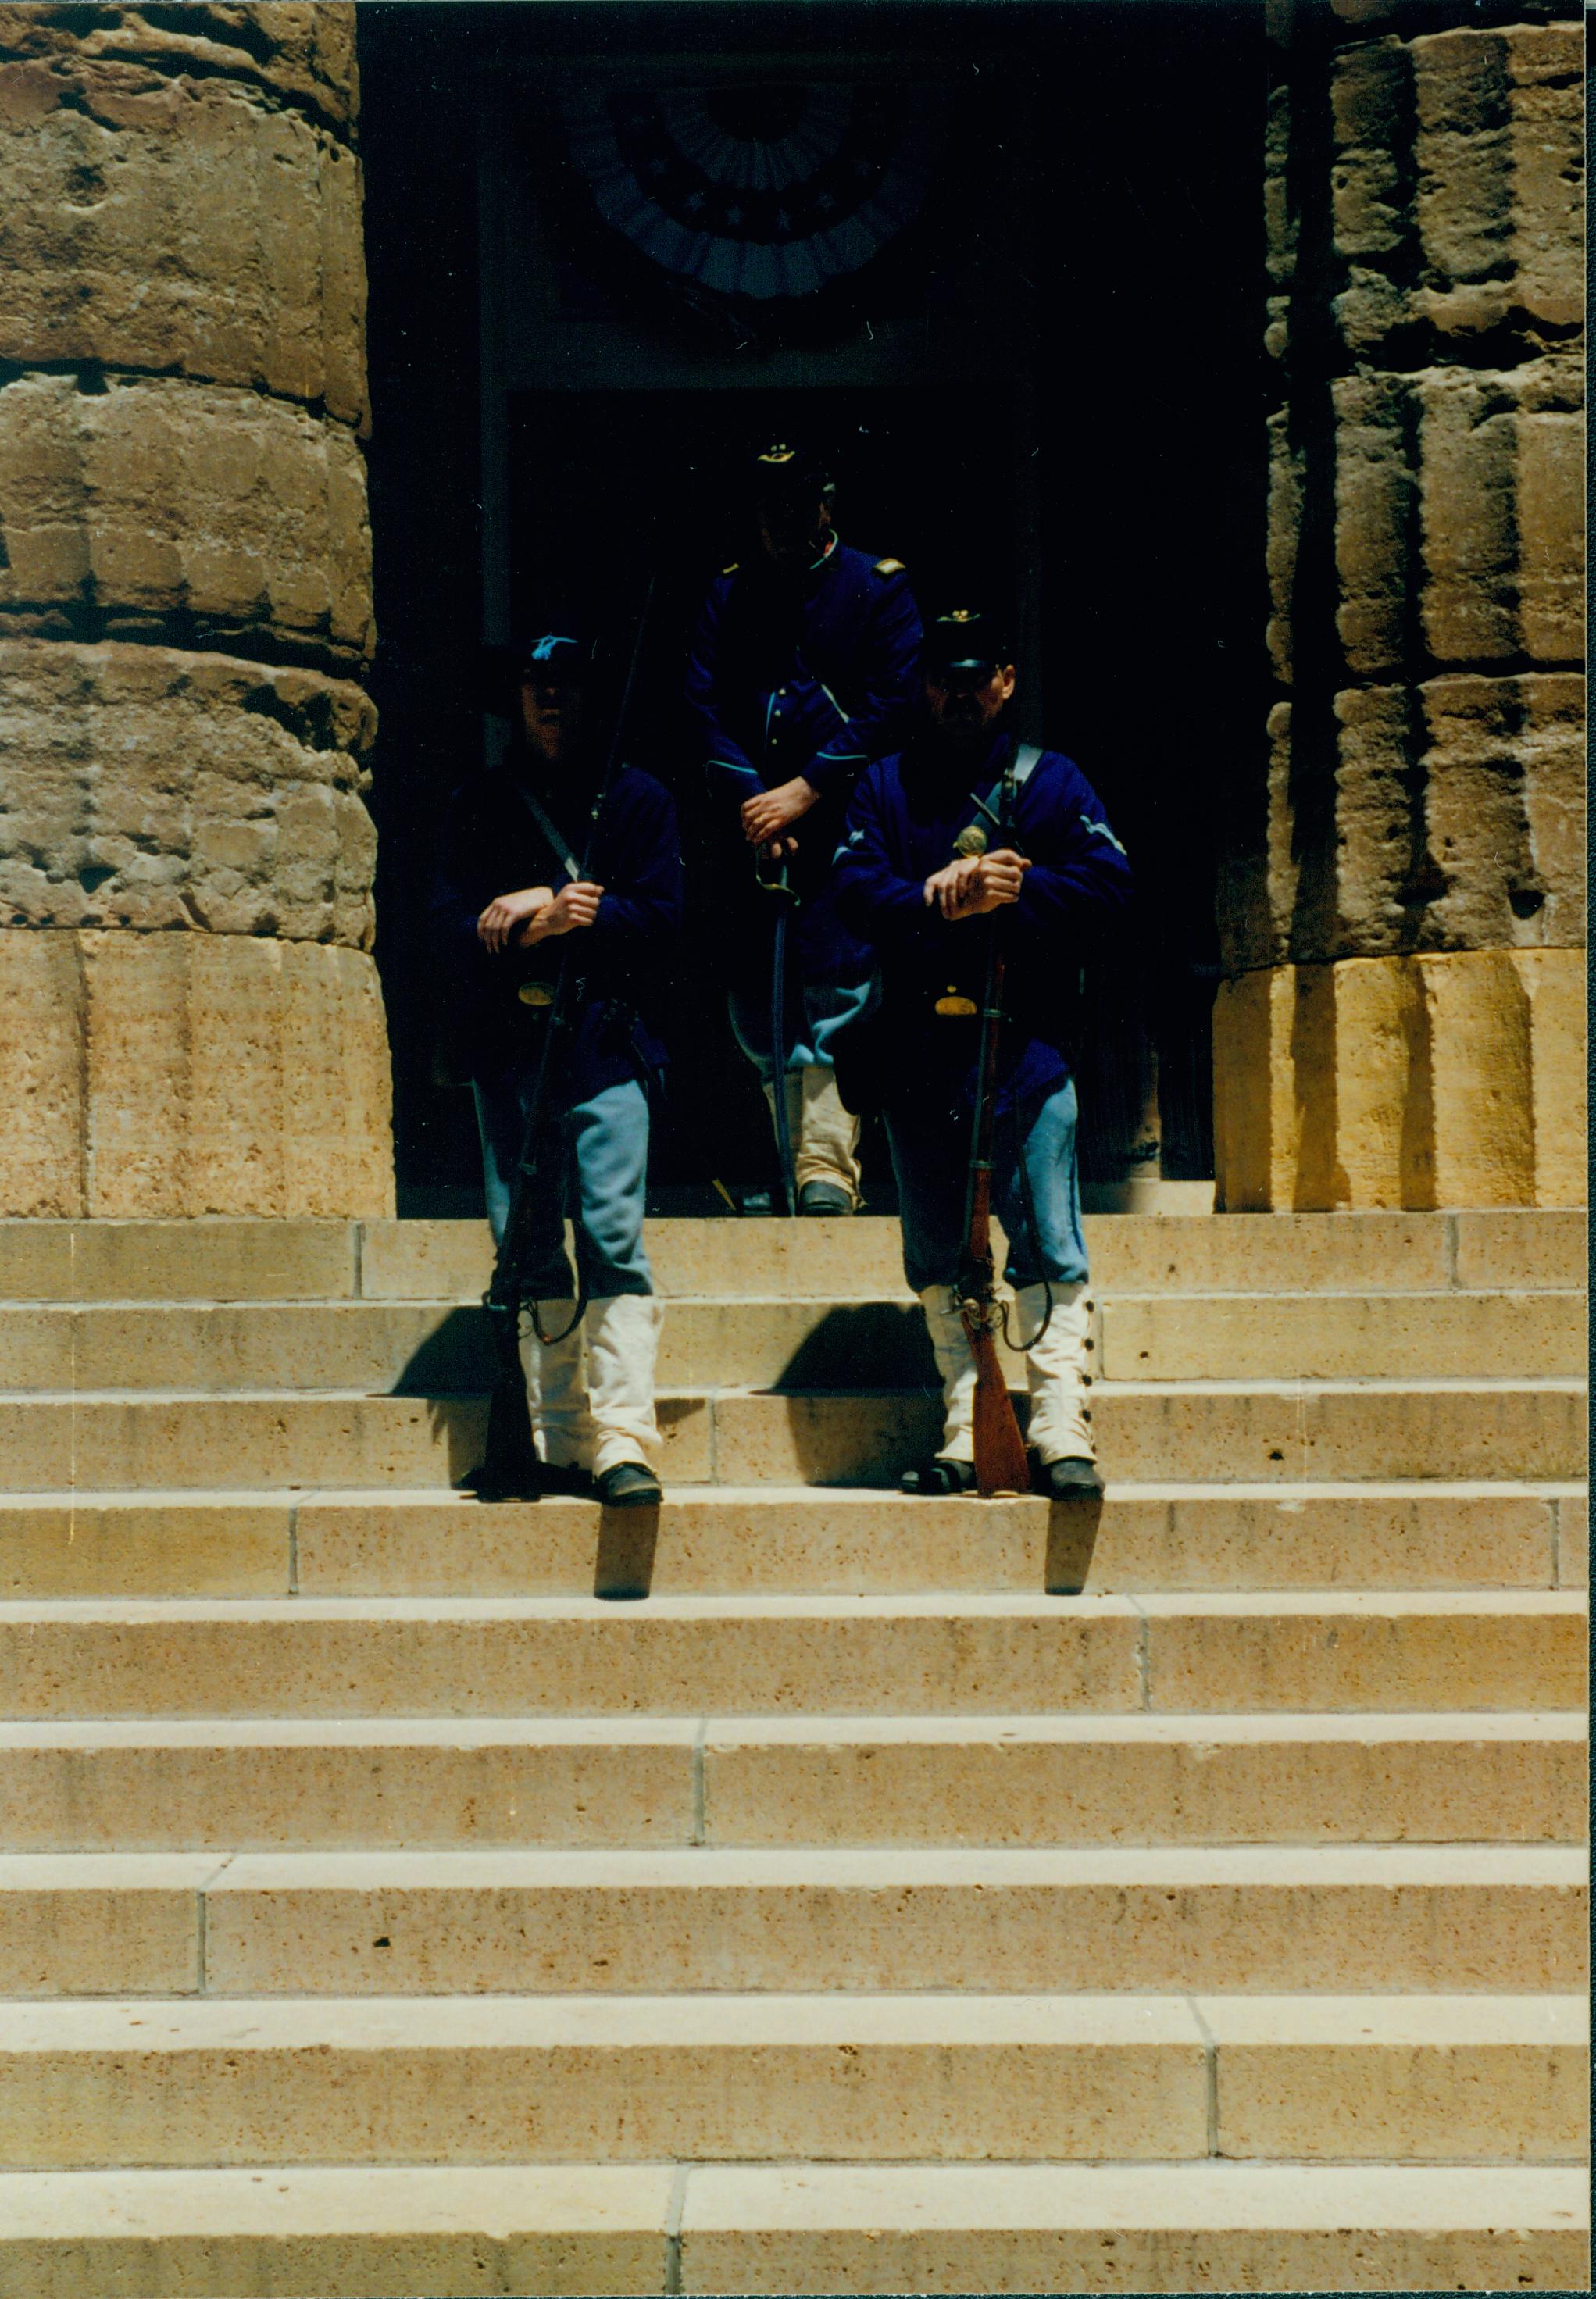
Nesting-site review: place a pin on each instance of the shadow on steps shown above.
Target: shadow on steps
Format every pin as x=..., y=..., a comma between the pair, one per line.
x=1072, y=1529
x=623, y=1568
x=858, y=1402
x=872, y=1345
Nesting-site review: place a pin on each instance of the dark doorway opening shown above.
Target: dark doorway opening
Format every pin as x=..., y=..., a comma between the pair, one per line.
x=604, y=484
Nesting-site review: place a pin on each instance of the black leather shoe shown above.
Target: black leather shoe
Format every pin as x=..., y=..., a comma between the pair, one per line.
x=628, y=1485
x=823, y=1197
x=938, y=1477
x=1072, y=1481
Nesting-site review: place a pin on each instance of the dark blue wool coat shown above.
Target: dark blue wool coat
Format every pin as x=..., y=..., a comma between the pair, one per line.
x=813, y=674
x=491, y=845
x=906, y=813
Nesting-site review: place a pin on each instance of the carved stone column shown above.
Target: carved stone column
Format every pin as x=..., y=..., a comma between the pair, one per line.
x=1402, y=1022
x=190, y=1021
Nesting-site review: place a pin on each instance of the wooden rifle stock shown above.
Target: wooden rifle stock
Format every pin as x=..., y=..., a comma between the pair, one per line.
x=1001, y=1465
x=778, y=1048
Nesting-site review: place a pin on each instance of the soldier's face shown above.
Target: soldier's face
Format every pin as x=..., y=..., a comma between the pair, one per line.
x=964, y=706
x=793, y=535
x=551, y=717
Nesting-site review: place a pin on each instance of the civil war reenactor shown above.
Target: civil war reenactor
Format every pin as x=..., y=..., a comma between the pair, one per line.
x=964, y=824
x=510, y=897
x=802, y=668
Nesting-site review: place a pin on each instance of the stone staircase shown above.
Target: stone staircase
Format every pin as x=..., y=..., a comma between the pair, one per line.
x=907, y=1897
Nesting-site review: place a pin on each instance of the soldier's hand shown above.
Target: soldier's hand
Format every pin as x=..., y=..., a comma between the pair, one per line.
x=506, y=915
x=576, y=905
x=977, y=882
x=769, y=812
x=778, y=850
x=994, y=879
x=946, y=889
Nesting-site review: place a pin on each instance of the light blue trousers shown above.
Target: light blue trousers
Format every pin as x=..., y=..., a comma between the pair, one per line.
x=596, y=1173
x=816, y=1010
x=930, y=1154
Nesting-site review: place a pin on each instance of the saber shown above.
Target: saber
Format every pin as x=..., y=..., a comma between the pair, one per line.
x=776, y=880
x=778, y=1047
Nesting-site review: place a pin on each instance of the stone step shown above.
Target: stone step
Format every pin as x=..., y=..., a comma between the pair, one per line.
x=761, y=1538
x=1276, y=1431
x=1214, y=1780
x=772, y=2078
x=1386, y=1920
x=1341, y=1336
x=431, y=1261
x=294, y=1785
x=284, y=1783
x=1249, y=1254
x=425, y=1350
x=769, y=1538
x=1222, y=1431
x=1176, y=2228
x=615, y=2080
x=972, y=1655
x=216, y=1260
x=1324, y=2077
x=346, y=2233
x=416, y=1349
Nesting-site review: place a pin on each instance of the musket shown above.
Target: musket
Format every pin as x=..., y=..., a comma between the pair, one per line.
x=780, y=886
x=510, y=1469
x=772, y=874
x=776, y=880
x=1001, y=1465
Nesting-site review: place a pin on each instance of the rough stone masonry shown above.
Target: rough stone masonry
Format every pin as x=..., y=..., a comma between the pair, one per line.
x=1402, y=920
x=190, y=1021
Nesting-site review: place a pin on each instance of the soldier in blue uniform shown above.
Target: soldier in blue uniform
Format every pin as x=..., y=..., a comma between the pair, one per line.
x=908, y=883
x=509, y=902
x=802, y=668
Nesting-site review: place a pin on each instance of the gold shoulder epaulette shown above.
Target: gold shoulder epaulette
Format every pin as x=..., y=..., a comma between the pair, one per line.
x=890, y=567
x=733, y=567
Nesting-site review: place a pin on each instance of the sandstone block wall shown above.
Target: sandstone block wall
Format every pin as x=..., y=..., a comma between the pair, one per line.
x=189, y=1010
x=1402, y=916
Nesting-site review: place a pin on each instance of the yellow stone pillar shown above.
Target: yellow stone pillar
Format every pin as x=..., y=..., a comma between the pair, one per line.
x=1401, y=1022
x=190, y=1021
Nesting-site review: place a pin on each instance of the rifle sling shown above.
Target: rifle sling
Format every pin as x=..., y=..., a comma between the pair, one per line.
x=1025, y=755
x=545, y=823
